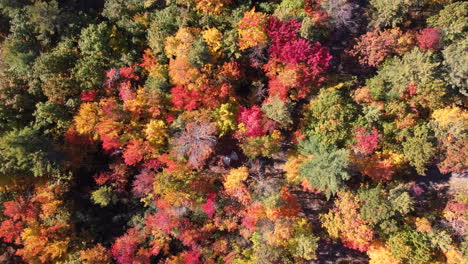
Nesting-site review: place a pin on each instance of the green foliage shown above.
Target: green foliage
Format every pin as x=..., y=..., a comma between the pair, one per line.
x=326, y=169
x=94, y=40
x=452, y=20
x=278, y=110
x=329, y=118
x=456, y=61
x=264, y=146
x=390, y=13
x=102, y=196
x=288, y=9
x=44, y=16
x=53, y=69
x=52, y=118
x=400, y=200
x=419, y=148
x=164, y=23
x=374, y=206
x=25, y=151
x=417, y=67
x=410, y=246
x=89, y=72
x=199, y=54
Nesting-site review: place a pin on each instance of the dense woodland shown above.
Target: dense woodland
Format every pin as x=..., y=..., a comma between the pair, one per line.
x=224, y=131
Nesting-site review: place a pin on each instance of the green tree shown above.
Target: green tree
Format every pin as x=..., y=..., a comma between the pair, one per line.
x=329, y=117
x=278, y=110
x=326, y=169
x=456, y=61
x=419, y=148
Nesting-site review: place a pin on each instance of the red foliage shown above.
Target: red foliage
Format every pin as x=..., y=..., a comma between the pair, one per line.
x=280, y=33
x=183, y=98
x=207, y=95
x=252, y=215
x=314, y=11
x=125, y=91
x=88, y=96
x=192, y=257
x=10, y=231
x=295, y=63
x=109, y=143
x=19, y=209
x=143, y=183
x=209, y=207
x=253, y=119
x=163, y=220
x=152, y=164
x=429, y=39
x=134, y=152
x=102, y=178
x=124, y=247
x=367, y=142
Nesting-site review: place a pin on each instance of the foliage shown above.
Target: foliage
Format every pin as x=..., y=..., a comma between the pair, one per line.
x=373, y=47
x=252, y=30
x=419, y=149
x=386, y=13
x=455, y=61
x=345, y=223
x=102, y=196
x=278, y=110
x=428, y=39
x=329, y=117
x=196, y=142
x=326, y=169
x=215, y=131
x=451, y=20
x=410, y=246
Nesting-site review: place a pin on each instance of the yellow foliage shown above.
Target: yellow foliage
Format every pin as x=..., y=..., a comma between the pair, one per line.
x=235, y=178
x=451, y=117
x=282, y=233
x=212, y=6
x=95, y=255
x=292, y=167
x=423, y=225
x=252, y=30
x=179, y=44
x=86, y=118
x=455, y=257
x=379, y=253
x=156, y=132
x=57, y=249
x=214, y=38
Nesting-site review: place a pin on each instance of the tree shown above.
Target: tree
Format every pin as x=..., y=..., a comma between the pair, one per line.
x=252, y=29
x=252, y=121
x=386, y=13
x=455, y=61
x=95, y=255
x=451, y=20
x=374, y=46
x=345, y=222
x=196, y=142
x=278, y=110
x=326, y=169
x=429, y=39
x=102, y=196
x=419, y=149
x=410, y=246
x=329, y=117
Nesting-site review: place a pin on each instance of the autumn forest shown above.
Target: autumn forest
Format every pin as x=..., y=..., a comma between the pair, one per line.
x=233, y=131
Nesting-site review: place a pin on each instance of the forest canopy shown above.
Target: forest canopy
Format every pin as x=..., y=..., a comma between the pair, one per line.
x=233, y=131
